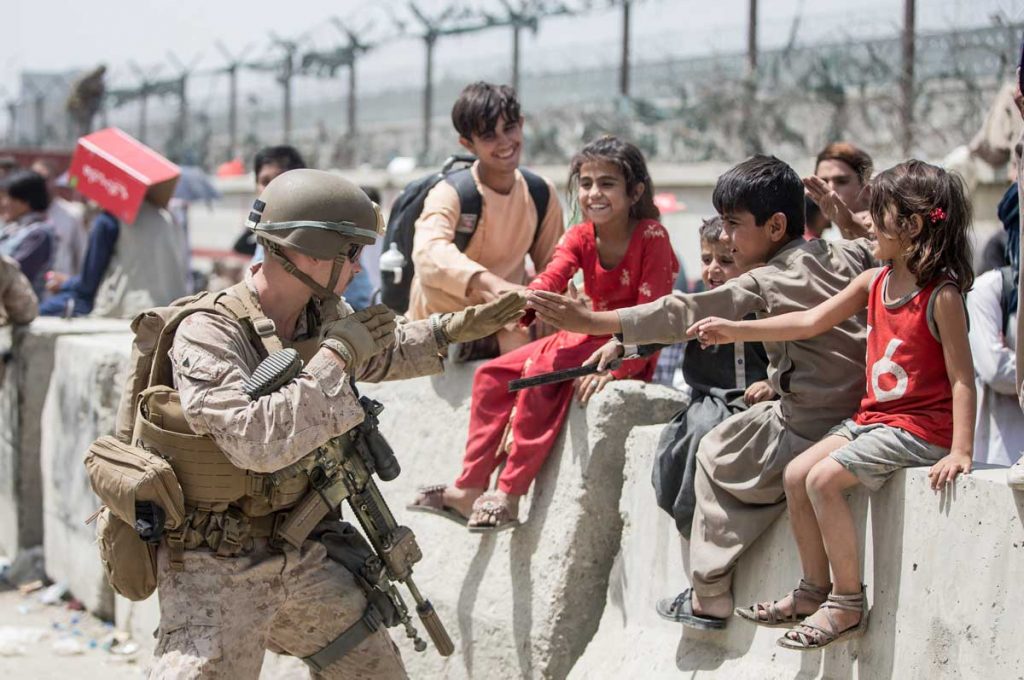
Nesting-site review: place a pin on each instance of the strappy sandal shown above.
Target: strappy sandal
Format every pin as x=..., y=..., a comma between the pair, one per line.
x=769, y=614
x=430, y=499
x=680, y=610
x=808, y=636
x=490, y=515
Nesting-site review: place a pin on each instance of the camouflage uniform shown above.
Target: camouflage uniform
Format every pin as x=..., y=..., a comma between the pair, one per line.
x=218, y=615
x=18, y=303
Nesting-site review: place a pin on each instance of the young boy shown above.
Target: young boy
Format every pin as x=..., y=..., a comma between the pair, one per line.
x=490, y=126
x=723, y=380
x=820, y=381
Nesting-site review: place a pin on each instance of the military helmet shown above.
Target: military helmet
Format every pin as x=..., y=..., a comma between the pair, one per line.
x=316, y=213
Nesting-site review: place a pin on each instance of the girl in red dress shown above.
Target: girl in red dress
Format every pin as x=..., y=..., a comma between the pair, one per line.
x=918, y=409
x=626, y=260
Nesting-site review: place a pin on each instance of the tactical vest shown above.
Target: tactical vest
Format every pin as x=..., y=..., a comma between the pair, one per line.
x=226, y=506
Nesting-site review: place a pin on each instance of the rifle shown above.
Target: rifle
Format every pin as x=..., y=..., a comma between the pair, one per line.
x=578, y=372
x=343, y=470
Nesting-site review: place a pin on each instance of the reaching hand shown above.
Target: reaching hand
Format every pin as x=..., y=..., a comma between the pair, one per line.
x=713, y=331
x=569, y=312
x=605, y=354
x=365, y=333
x=946, y=470
x=479, y=321
x=589, y=385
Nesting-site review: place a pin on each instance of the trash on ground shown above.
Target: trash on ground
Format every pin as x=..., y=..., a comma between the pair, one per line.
x=53, y=594
x=14, y=638
x=68, y=647
x=30, y=587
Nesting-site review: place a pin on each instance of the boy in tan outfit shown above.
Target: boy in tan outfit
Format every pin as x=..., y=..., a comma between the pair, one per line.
x=490, y=126
x=820, y=381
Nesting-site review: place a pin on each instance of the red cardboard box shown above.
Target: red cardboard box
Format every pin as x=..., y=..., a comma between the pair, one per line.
x=118, y=172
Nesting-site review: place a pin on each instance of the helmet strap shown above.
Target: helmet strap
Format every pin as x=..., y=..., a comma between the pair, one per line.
x=274, y=251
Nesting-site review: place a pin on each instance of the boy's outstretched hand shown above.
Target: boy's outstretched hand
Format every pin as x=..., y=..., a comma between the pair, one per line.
x=605, y=354
x=946, y=470
x=713, y=330
x=568, y=312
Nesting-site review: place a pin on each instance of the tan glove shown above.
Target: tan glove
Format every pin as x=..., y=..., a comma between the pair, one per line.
x=364, y=334
x=479, y=321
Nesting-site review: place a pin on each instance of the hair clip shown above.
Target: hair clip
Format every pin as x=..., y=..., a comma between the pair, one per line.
x=936, y=214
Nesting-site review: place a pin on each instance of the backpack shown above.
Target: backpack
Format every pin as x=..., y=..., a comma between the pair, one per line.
x=407, y=208
x=123, y=474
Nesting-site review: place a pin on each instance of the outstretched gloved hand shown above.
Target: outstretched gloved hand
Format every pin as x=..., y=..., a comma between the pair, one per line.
x=479, y=321
x=365, y=333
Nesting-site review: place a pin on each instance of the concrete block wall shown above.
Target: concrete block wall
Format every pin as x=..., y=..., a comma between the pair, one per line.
x=21, y=403
x=571, y=592
x=80, y=406
x=945, y=577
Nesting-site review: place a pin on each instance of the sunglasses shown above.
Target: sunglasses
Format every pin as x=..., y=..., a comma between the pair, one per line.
x=354, y=251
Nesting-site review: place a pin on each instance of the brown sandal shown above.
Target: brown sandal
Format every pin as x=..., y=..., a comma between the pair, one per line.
x=430, y=499
x=808, y=636
x=490, y=515
x=769, y=615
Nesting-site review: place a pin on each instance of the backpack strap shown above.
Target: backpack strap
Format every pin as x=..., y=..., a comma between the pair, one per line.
x=241, y=303
x=471, y=203
x=1006, y=294
x=540, y=192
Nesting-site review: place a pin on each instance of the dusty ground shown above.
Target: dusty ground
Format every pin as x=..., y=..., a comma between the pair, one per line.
x=52, y=642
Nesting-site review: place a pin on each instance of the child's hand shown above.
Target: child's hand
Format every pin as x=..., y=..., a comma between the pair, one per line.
x=605, y=354
x=569, y=313
x=758, y=392
x=589, y=385
x=713, y=331
x=946, y=470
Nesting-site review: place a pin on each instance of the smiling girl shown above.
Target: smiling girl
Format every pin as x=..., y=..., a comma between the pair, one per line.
x=626, y=259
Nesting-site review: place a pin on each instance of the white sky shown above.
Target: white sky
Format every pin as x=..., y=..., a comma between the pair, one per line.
x=63, y=35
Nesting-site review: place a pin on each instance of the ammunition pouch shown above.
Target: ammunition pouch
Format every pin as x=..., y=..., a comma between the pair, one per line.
x=207, y=478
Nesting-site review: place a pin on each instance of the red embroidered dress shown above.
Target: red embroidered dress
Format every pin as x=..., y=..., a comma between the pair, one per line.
x=535, y=416
x=907, y=383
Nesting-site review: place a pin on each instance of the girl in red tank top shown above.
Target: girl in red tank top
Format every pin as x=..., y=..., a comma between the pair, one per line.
x=919, y=403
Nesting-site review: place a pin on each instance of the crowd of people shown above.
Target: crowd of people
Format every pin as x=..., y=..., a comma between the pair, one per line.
x=815, y=362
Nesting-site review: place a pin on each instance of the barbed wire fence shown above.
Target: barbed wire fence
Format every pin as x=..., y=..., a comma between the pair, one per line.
x=679, y=108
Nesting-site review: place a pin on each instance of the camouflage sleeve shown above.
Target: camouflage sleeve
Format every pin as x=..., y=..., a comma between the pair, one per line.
x=415, y=353
x=18, y=302
x=211, y=358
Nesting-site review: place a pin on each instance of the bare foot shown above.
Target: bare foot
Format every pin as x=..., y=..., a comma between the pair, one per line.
x=718, y=606
x=461, y=500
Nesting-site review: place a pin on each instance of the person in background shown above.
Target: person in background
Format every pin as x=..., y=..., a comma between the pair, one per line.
x=817, y=223
x=68, y=225
x=268, y=163
x=27, y=234
x=839, y=187
x=128, y=268
x=992, y=308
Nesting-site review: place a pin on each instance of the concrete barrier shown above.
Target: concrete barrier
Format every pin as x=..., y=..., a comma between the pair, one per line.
x=81, y=405
x=945, y=576
x=21, y=403
x=530, y=599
